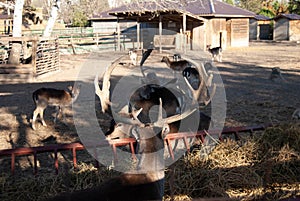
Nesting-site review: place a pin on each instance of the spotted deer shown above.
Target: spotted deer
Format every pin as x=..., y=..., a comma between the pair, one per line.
x=45, y=97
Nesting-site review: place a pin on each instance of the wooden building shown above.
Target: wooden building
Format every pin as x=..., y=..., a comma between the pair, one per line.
x=197, y=24
x=260, y=28
x=105, y=23
x=287, y=27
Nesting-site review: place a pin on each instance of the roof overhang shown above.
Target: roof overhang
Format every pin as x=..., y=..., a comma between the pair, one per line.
x=150, y=15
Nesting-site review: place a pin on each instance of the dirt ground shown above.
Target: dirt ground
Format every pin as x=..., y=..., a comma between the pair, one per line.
x=252, y=98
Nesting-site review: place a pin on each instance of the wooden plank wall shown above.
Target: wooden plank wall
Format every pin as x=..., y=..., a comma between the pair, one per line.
x=240, y=32
x=294, y=32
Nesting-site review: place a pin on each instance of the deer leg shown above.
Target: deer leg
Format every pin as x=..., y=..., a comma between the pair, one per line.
x=41, y=112
x=35, y=114
x=58, y=110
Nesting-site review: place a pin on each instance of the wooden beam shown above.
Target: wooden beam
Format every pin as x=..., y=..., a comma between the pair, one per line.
x=160, y=33
x=138, y=31
x=184, y=31
x=119, y=35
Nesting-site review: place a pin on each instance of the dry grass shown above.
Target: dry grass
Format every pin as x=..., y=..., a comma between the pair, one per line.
x=264, y=167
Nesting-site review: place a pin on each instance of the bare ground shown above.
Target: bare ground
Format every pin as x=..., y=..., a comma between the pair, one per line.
x=252, y=98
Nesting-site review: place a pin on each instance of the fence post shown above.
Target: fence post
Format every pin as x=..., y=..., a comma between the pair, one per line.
x=97, y=39
x=33, y=55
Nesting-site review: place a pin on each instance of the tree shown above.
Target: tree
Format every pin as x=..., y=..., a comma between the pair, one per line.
x=15, y=53
x=78, y=12
x=52, y=19
x=251, y=5
x=272, y=8
x=229, y=2
x=294, y=6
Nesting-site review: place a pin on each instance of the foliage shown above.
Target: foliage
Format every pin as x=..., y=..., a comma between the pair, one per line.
x=77, y=13
x=272, y=8
x=79, y=19
x=294, y=6
x=229, y=2
x=251, y=5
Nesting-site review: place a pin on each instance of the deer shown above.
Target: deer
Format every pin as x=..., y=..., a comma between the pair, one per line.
x=176, y=57
x=296, y=114
x=276, y=74
x=133, y=57
x=216, y=53
x=148, y=95
x=146, y=180
x=44, y=97
x=176, y=65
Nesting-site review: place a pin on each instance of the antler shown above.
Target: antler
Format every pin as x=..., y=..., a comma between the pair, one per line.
x=206, y=80
x=105, y=92
x=161, y=122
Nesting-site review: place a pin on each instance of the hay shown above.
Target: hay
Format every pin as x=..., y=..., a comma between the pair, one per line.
x=263, y=167
x=258, y=169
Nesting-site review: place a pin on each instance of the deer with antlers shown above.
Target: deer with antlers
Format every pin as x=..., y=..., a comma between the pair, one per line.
x=149, y=94
x=146, y=181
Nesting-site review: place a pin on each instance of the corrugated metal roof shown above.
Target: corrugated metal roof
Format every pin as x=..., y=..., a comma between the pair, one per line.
x=261, y=17
x=103, y=15
x=289, y=16
x=194, y=7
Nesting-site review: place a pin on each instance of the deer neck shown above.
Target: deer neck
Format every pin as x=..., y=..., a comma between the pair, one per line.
x=74, y=97
x=168, y=62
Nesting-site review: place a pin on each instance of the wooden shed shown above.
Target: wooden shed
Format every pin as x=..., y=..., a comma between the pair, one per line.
x=260, y=28
x=287, y=27
x=105, y=23
x=197, y=24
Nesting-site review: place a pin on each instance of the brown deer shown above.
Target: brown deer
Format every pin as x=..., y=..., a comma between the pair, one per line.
x=45, y=97
x=176, y=65
x=146, y=181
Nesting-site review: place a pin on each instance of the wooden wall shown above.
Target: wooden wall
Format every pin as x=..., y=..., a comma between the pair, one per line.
x=216, y=33
x=294, y=32
x=253, y=29
x=281, y=29
x=239, y=32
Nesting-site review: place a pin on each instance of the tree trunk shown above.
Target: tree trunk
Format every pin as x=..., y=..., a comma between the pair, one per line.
x=14, y=56
x=52, y=19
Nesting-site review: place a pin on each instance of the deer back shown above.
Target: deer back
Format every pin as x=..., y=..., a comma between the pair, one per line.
x=51, y=96
x=154, y=93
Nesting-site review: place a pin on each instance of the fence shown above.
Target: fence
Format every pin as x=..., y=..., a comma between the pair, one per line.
x=74, y=147
x=37, y=56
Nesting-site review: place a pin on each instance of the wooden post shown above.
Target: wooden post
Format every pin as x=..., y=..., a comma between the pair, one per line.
x=97, y=39
x=33, y=54
x=184, y=32
x=160, y=33
x=138, y=39
x=119, y=35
